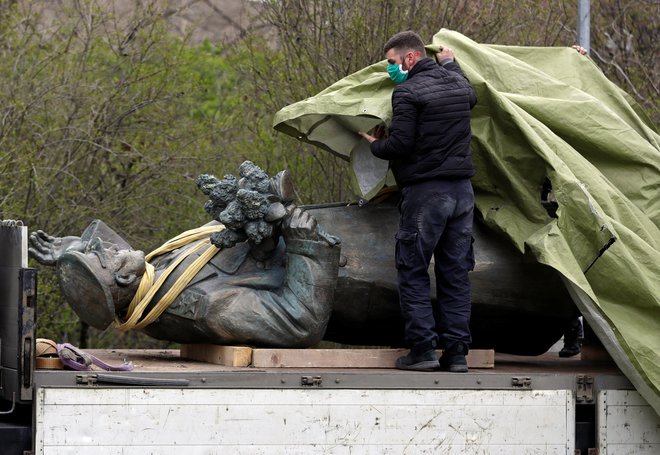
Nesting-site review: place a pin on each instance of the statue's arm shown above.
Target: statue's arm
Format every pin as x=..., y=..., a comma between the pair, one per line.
x=308, y=294
x=297, y=314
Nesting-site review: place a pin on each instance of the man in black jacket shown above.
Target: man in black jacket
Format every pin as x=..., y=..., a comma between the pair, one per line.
x=429, y=151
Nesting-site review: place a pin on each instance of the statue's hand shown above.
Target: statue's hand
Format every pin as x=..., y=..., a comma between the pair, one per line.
x=47, y=249
x=299, y=224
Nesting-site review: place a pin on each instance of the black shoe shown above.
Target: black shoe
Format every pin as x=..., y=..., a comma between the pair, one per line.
x=427, y=361
x=453, y=359
x=572, y=339
x=569, y=350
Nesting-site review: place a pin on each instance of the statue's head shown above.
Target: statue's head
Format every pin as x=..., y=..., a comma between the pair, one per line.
x=100, y=280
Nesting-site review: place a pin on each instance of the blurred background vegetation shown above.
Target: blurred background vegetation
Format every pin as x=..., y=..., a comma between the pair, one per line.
x=110, y=109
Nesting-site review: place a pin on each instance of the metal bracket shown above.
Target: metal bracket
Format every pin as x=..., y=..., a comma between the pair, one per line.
x=86, y=379
x=585, y=389
x=311, y=381
x=521, y=382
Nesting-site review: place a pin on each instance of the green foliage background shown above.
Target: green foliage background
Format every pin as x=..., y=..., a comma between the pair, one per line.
x=113, y=117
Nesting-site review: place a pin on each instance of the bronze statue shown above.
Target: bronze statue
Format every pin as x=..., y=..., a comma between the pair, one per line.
x=293, y=288
x=267, y=285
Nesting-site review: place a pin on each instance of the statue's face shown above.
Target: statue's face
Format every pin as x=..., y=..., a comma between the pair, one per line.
x=113, y=264
x=99, y=281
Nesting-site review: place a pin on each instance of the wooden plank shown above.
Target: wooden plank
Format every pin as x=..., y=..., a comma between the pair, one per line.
x=240, y=356
x=350, y=358
x=230, y=356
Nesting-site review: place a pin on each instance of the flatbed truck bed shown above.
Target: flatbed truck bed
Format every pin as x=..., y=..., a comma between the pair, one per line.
x=169, y=404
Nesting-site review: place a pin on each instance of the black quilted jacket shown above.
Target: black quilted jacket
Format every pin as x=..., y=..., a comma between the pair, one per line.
x=429, y=137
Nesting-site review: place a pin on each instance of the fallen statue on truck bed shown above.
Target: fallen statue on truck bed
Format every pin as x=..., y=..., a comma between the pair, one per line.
x=266, y=278
x=278, y=279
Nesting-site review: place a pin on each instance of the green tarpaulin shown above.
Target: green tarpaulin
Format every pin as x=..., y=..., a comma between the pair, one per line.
x=541, y=113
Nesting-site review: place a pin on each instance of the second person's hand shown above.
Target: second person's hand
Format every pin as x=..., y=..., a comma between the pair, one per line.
x=445, y=54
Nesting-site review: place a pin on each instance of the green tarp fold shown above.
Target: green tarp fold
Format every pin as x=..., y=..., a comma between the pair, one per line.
x=541, y=113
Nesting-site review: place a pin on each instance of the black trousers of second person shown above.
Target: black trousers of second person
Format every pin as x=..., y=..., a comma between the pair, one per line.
x=436, y=220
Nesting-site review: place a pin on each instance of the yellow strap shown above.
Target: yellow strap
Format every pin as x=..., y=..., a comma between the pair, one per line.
x=147, y=288
x=184, y=239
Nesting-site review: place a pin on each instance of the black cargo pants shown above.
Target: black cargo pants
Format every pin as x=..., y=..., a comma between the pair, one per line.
x=436, y=220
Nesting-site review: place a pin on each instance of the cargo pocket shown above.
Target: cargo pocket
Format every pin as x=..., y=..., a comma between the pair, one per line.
x=406, y=246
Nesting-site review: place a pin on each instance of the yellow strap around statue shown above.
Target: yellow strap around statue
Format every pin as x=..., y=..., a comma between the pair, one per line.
x=184, y=239
x=147, y=288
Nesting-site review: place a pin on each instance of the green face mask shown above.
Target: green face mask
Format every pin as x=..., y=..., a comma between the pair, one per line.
x=396, y=72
